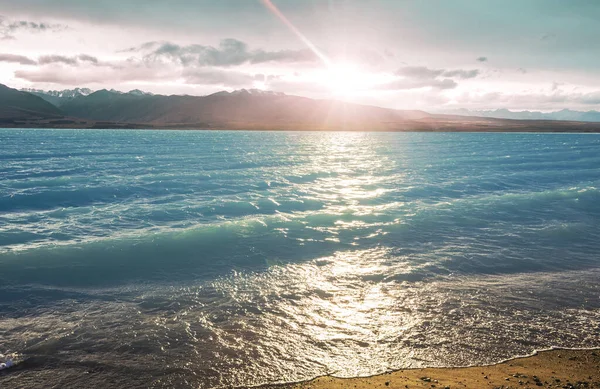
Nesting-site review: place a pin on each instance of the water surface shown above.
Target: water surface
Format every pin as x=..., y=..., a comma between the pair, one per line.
x=209, y=259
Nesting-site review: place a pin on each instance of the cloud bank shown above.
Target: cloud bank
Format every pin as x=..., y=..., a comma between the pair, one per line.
x=230, y=52
x=15, y=58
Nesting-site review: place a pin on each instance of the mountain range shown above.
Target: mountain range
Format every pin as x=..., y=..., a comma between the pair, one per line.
x=58, y=98
x=565, y=114
x=238, y=110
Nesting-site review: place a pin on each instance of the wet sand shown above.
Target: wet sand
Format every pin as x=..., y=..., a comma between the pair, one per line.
x=547, y=369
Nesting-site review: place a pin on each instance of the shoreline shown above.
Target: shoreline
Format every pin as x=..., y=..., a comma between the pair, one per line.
x=568, y=368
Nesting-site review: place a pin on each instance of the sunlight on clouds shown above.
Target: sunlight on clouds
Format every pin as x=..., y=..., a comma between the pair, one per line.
x=262, y=85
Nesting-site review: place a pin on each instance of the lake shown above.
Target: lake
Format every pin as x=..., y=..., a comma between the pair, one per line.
x=214, y=258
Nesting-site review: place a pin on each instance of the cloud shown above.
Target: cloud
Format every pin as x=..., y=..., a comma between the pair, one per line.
x=9, y=27
x=61, y=73
x=592, y=98
x=423, y=73
x=408, y=83
x=482, y=59
x=219, y=77
x=415, y=77
x=31, y=26
x=301, y=87
x=548, y=37
x=204, y=68
x=555, y=99
x=50, y=59
x=230, y=52
x=20, y=59
x=142, y=47
x=419, y=72
x=87, y=58
x=59, y=70
x=464, y=74
x=555, y=86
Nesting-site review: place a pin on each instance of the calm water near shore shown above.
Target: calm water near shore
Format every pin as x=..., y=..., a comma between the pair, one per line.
x=209, y=259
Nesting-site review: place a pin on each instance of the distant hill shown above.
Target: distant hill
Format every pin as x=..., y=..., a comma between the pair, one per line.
x=15, y=105
x=565, y=114
x=251, y=109
x=58, y=98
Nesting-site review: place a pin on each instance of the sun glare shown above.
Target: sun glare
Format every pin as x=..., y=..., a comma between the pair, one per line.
x=259, y=85
x=348, y=80
x=345, y=79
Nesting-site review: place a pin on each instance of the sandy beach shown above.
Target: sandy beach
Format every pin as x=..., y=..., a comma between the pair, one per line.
x=547, y=369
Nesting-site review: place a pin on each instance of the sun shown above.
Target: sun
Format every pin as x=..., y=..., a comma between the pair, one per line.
x=347, y=79
x=344, y=79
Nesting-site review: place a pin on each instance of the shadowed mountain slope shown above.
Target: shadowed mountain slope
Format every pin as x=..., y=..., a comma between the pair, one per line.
x=15, y=104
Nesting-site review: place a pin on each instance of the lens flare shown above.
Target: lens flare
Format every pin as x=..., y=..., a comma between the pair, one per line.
x=275, y=11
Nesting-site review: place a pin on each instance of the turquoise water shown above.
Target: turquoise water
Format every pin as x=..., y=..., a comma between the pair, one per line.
x=209, y=259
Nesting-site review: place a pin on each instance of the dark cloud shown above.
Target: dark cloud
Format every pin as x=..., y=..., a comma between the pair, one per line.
x=464, y=74
x=482, y=59
x=32, y=26
x=9, y=27
x=20, y=59
x=230, y=52
x=88, y=58
x=48, y=59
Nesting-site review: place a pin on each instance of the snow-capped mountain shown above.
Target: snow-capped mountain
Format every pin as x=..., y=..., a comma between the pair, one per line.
x=137, y=92
x=59, y=97
x=249, y=92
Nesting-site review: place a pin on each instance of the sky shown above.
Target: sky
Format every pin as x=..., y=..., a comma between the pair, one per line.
x=430, y=54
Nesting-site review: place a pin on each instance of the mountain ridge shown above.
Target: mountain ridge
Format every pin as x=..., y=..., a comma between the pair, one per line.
x=503, y=113
x=17, y=104
x=225, y=109
x=245, y=109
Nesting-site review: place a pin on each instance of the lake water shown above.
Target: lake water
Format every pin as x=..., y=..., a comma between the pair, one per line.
x=208, y=259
